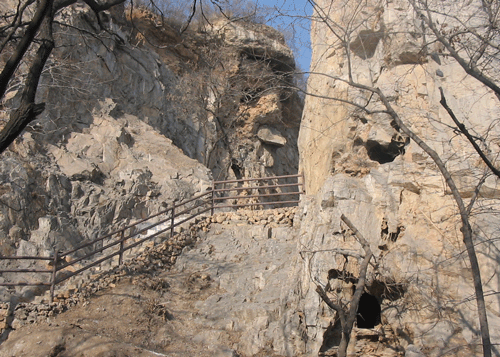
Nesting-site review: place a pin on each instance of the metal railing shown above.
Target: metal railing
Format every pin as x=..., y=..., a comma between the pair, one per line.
x=224, y=194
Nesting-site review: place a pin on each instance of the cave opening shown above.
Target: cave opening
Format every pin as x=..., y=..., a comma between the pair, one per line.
x=384, y=153
x=368, y=314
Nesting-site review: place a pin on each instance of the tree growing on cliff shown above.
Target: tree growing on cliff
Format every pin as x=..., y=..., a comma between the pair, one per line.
x=26, y=35
x=472, y=41
x=27, y=41
x=347, y=316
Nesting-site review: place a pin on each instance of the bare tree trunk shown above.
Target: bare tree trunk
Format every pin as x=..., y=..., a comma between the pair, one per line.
x=28, y=110
x=41, y=22
x=347, y=319
x=44, y=9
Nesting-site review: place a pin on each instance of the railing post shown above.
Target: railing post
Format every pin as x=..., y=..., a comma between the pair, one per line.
x=172, y=221
x=122, y=245
x=213, y=199
x=54, y=273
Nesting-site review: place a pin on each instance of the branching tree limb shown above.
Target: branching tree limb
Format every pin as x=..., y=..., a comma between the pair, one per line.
x=466, y=229
x=17, y=22
x=28, y=110
x=27, y=33
x=468, y=67
x=39, y=28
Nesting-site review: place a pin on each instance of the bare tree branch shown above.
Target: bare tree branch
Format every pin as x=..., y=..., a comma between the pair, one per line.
x=347, y=318
x=468, y=68
x=44, y=8
x=469, y=137
x=28, y=110
x=16, y=23
x=41, y=23
x=193, y=12
x=466, y=228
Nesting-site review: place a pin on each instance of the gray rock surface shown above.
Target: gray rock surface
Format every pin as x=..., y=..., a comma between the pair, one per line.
x=271, y=136
x=129, y=127
x=250, y=267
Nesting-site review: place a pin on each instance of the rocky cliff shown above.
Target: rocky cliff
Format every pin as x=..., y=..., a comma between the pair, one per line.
x=138, y=116
x=252, y=290
x=358, y=163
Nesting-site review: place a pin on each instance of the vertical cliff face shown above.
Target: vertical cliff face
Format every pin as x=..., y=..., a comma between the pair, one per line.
x=358, y=163
x=214, y=91
x=251, y=105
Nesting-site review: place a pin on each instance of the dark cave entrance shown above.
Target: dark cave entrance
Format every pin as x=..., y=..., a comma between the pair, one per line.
x=384, y=154
x=236, y=169
x=368, y=315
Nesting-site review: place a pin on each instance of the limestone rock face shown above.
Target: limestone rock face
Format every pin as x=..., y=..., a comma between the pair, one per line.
x=259, y=40
x=113, y=172
x=209, y=91
x=248, y=99
x=358, y=164
x=139, y=118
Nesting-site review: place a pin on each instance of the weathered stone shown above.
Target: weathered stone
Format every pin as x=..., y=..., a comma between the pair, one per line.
x=270, y=135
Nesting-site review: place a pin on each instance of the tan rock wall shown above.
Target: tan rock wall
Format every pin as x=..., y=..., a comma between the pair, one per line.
x=357, y=164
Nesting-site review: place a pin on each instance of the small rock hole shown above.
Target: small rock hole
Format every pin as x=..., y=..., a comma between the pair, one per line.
x=390, y=236
x=342, y=275
x=236, y=170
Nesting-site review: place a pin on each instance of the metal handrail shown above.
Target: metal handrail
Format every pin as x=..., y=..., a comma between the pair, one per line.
x=21, y=257
x=133, y=224
x=256, y=204
x=261, y=179
x=207, y=198
x=242, y=188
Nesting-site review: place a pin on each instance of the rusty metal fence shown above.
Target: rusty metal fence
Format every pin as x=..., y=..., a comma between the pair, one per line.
x=254, y=193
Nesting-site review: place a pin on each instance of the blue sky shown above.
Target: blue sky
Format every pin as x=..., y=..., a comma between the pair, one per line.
x=291, y=18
